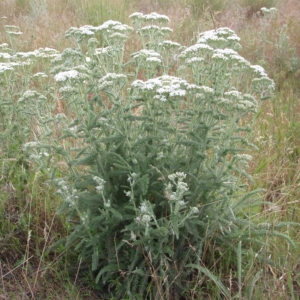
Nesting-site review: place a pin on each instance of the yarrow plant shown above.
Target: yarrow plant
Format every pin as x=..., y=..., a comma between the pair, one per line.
x=155, y=151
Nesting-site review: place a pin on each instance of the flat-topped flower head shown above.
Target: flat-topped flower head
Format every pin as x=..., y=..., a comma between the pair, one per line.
x=4, y=56
x=108, y=25
x=93, y=43
x=150, y=29
x=47, y=53
x=258, y=70
x=13, y=30
x=111, y=81
x=170, y=45
x=149, y=18
x=6, y=67
x=219, y=57
x=123, y=28
x=263, y=84
x=4, y=48
x=25, y=55
x=80, y=33
x=136, y=16
x=166, y=30
x=67, y=91
x=40, y=75
x=71, y=54
x=197, y=50
x=269, y=12
x=155, y=17
x=220, y=38
x=145, y=54
x=109, y=50
x=64, y=76
x=164, y=87
x=32, y=95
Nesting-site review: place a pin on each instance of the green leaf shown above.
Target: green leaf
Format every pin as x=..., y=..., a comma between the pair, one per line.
x=95, y=259
x=115, y=213
x=87, y=160
x=138, y=271
x=109, y=268
x=143, y=183
x=210, y=275
x=174, y=221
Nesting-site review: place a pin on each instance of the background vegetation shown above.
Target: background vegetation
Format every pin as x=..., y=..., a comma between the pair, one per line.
x=31, y=269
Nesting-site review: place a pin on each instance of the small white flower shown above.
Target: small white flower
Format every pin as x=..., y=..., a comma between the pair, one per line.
x=144, y=208
x=5, y=55
x=5, y=67
x=194, y=210
x=166, y=30
x=107, y=204
x=146, y=218
x=63, y=76
x=136, y=15
x=128, y=193
x=156, y=17
x=258, y=70
x=132, y=236
x=40, y=74
x=153, y=59
x=170, y=44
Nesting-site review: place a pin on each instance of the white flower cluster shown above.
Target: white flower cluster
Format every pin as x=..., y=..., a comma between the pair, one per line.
x=63, y=76
x=100, y=184
x=32, y=95
x=243, y=160
x=151, y=30
x=270, y=12
x=150, y=27
x=180, y=186
x=231, y=56
x=146, y=214
x=204, y=92
x=132, y=179
x=148, y=56
x=164, y=87
x=5, y=56
x=40, y=75
x=197, y=50
x=12, y=30
x=108, y=28
x=67, y=90
x=263, y=84
x=6, y=67
x=112, y=80
x=5, y=48
x=220, y=38
x=31, y=145
x=259, y=70
x=38, y=53
x=114, y=26
x=169, y=45
x=149, y=18
x=64, y=192
x=79, y=33
x=71, y=74
x=236, y=101
x=106, y=51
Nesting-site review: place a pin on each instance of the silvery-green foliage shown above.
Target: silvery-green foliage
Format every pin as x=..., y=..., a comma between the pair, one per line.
x=25, y=98
x=156, y=150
